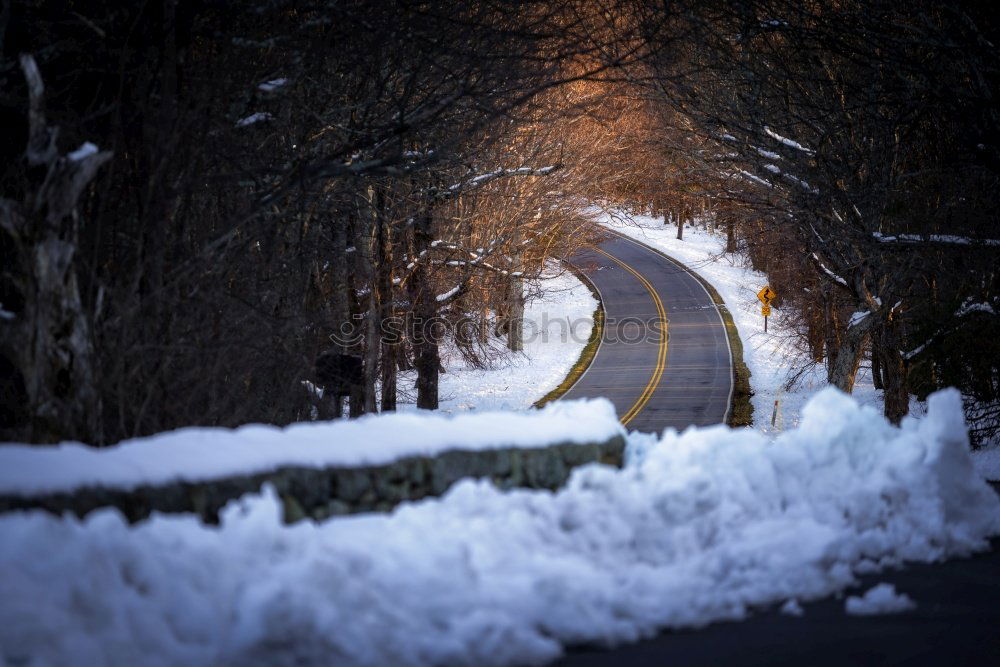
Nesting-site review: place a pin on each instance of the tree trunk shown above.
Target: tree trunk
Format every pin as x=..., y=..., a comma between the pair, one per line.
x=387, y=334
x=831, y=334
x=844, y=369
x=357, y=399
x=815, y=332
x=389, y=390
x=515, y=327
x=330, y=407
x=681, y=216
x=426, y=358
x=893, y=366
x=876, y=368
x=369, y=248
x=484, y=325
x=48, y=343
x=730, y=235
x=340, y=314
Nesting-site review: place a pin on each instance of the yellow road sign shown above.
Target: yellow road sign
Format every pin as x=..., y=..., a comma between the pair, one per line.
x=765, y=310
x=766, y=295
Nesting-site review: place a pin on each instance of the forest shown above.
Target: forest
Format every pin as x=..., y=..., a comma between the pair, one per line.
x=208, y=209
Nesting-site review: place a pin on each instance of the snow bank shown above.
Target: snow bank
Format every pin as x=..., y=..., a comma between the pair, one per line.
x=880, y=599
x=698, y=528
x=199, y=454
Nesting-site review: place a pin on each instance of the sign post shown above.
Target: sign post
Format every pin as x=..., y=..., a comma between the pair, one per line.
x=766, y=296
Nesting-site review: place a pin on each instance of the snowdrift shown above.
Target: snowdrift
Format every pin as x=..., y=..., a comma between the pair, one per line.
x=698, y=527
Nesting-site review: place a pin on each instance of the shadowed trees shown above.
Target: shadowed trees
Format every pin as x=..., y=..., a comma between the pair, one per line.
x=281, y=179
x=861, y=136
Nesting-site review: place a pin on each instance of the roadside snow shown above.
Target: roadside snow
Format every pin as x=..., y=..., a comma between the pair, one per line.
x=703, y=526
x=198, y=453
x=556, y=328
x=771, y=357
x=880, y=599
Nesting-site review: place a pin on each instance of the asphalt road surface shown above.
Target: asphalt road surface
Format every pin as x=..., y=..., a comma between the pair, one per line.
x=956, y=622
x=654, y=380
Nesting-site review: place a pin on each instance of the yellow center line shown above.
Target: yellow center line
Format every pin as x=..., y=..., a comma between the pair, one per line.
x=661, y=356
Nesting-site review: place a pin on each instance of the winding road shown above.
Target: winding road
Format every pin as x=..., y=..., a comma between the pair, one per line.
x=664, y=358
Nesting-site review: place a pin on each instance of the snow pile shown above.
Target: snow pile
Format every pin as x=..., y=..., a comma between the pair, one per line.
x=880, y=599
x=199, y=453
x=698, y=528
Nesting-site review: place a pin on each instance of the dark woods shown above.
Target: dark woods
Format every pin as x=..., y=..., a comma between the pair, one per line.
x=859, y=152
x=278, y=171
x=267, y=175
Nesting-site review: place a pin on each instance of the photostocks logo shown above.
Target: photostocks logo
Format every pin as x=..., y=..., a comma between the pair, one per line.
x=394, y=330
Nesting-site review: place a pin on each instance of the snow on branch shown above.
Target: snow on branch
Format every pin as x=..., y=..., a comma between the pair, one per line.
x=477, y=263
x=968, y=306
x=857, y=318
x=483, y=179
x=770, y=155
x=253, y=118
x=830, y=274
x=802, y=184
x=440, y=298
x=971, y=307
x=272, y=85
x=948, y=239
x=757, y=179
x=786, y=141
x=85, y=150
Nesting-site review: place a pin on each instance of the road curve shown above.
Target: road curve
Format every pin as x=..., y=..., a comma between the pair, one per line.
x=664, y=358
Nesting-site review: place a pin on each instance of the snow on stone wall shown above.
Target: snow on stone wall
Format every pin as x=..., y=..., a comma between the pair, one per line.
x=317, y=469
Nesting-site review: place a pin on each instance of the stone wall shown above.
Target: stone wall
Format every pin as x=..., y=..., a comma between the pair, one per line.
x=319, y=493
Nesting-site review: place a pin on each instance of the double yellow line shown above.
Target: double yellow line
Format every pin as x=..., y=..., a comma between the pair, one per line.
x=661, y=355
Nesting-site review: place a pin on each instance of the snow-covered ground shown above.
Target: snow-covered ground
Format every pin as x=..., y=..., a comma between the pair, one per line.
x=771, y=357
x=698, y=527
x=557, y=326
